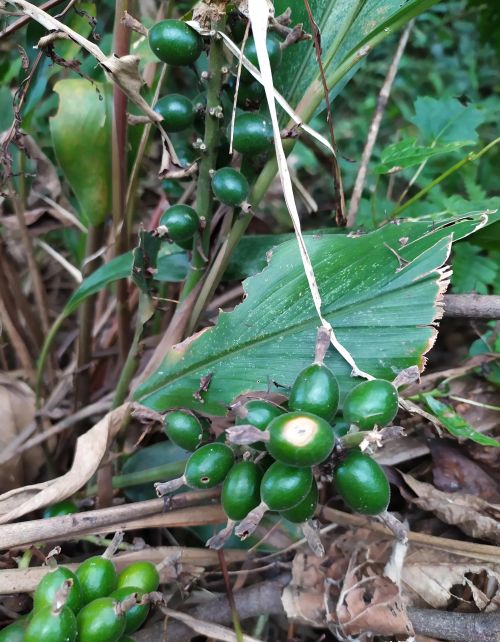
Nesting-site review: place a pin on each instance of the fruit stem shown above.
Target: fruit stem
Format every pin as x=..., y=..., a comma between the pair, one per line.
x=322, y=344
x=251, y=521
x=125, y=605
x=113, y=545
x=165, y=488
x=246, y=434
x=204, y=197
x=219, y=539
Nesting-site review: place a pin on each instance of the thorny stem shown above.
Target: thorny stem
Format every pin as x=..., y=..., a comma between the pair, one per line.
x=204, y=197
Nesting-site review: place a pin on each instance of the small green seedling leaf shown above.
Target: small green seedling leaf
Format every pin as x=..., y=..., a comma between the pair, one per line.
x=455, y=424
x=406, y=153
x=446, y=120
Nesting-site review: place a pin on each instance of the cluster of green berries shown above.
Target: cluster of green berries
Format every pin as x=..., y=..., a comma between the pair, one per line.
x=94, y=604
x=272, y=467
x=176, y=43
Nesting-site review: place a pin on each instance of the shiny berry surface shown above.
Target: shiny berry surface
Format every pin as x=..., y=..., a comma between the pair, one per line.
x=175, y=42
x=209, y=465
x=66, y=507
x=178, y=112
x=181, y=222
x=99, y=621
x=230, y=186
x=362, y=483
x=371, y=403
x=142, y=575
x=283, y=486
x=97, y=576
x=136, y=616
x=49, y=626
x=49, y=585
x=305, y=509
x=253, y=134
x=315, y=390
x=241, y=490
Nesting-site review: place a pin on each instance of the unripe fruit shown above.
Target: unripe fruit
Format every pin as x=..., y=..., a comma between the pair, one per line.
x=49, y=585
x=283, y=487
x=273, y=49
x=175, y=42
x=100, y=621
x=209, y=465
x=362, y=483
x=98, y=578
x=183, y=429
x=305, y=509
x=178, y=112
x=241, y=490
x=315, y=390
x=136, y=616
x=253, y=134
x=258, y=413
x=230, y=186
x=49, y=625
x=14, y=632
x=66, y=507
x=142, y=575
x=300, y=439
x=181, y=222
x=371, y=403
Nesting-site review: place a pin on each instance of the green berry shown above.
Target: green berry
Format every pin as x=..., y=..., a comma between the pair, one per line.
x=178, y=112
x=305, y=509
x=175, y=42
x=253, y=134
x=136, y=616
x=15, y=631
x=49, y=585
x=143, y=575
x=51, y=625
x=237, y=25
x=362, y=483
x=250, y=94
x=181, y=222
x=241, y=490
x=209, y=465
x=315, y=390
x=183, y=429
x=258, y=413
x=283, y=487
x=230, y=186
x=98, y=578
x=371, y=403
x=340, y=428
x=101, y=621
x=273, y=49
x=300, y=439
x=66, y=507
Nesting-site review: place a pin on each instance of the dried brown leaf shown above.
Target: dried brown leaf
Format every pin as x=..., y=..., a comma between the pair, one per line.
x=17, y=409
x=473, y=515
x=90, y=451
x=429, y=577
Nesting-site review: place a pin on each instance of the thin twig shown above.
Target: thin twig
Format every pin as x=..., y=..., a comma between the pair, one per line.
x=19, y=24
x=472, y=306
x=383, y=98
x=337, y=177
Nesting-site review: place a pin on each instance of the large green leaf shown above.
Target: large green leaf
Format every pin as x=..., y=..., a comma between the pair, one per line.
x=348, y=29
x=446, y=120
x=406, y=153
x=81, y=136
x=382, y=304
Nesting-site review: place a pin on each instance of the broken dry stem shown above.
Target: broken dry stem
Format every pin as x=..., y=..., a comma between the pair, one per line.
x=246, y=527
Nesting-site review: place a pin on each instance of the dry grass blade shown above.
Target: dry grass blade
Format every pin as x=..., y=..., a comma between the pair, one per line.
x=214, y=631
x=90, y=451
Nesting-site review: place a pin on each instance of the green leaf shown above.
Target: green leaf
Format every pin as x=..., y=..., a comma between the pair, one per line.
x=346, y=26
x=118, y=268
x=472, y=272
x=456, y=424
x=270, y=336
x=406, y=153
x=150, y=461
x=172, y=267
x=446, y=120
x=81, y=129
x=487, y=343
x=6, y=111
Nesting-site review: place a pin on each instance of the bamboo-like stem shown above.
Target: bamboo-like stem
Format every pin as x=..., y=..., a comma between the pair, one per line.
x=204, y=196
x=119, y=177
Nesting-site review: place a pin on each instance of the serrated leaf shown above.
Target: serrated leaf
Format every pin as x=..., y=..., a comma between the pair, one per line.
x=349, y=30
x=472, y=272
x=406, y=153
x=446, y=120
x=456, y=424
x=81, y=129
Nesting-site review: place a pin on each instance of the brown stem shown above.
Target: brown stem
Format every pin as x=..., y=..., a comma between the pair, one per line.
x=218, y=540
x=383, y=98
x=165, y=488
x=246, y=434
x=476, y=306
x=251, y=521
x=19, y=24
x=339, y=205
x=119, y=173
x=322, y=344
